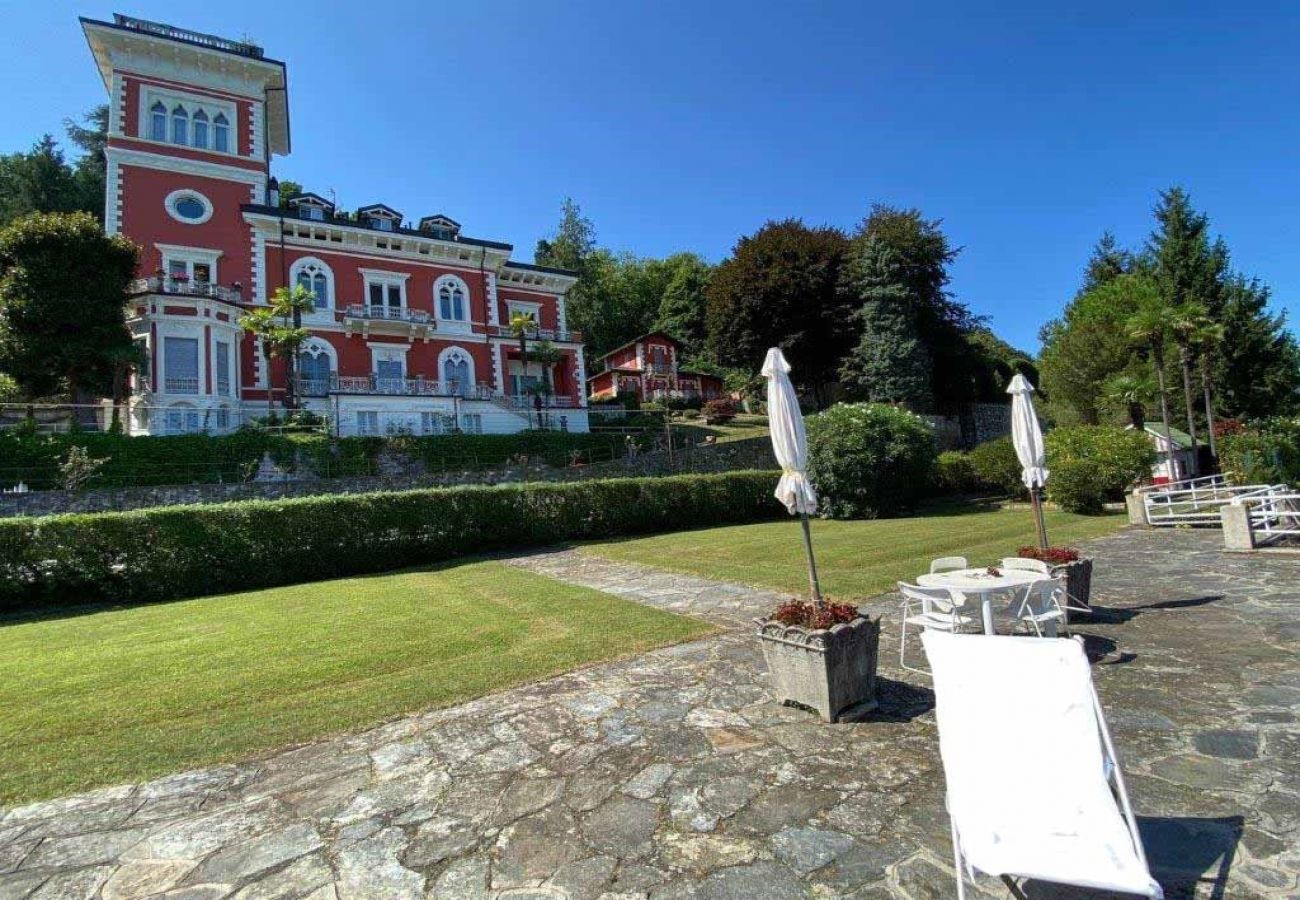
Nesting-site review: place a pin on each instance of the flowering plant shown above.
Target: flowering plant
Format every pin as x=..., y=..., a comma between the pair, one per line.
x=1053, y=556
x=808, y=615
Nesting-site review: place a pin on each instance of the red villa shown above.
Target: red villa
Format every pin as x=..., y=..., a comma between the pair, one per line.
x=647, y=367
x=410, y=328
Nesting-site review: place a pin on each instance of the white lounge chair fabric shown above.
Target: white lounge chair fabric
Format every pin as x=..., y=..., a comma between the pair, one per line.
x=948, y=564
x=1031, y=699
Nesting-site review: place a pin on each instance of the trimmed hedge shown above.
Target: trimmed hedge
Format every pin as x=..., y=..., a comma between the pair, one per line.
x=208, y=459
x=1123, y=458
x=997, y=466
x=187, y=551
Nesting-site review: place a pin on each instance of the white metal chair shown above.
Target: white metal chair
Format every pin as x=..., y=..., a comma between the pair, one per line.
x=948, y=564
x=926, y=609
x=1024, y=564
x=1041, y=603
x=999, y=699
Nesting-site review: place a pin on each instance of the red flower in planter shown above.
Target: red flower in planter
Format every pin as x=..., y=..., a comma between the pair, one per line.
x=1053, y=556
x=806, y=615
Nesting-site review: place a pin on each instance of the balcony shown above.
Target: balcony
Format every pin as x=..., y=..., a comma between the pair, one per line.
x=528, y=401
x=390, y=313
x=658, y=369
x=183, y=287
x=536, y=334
x=392, y=387
x=211, y=41
x=181, y=385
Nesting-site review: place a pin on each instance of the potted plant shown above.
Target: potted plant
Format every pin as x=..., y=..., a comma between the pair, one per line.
x=822, y=656
x=1066, y=561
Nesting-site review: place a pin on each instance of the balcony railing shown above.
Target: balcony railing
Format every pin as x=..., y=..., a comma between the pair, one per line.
x=528, y=401
x=181, y=385
x=390, y=313
x=164, y=285
x=394, y=387
x=658, y=369
x=537, y=334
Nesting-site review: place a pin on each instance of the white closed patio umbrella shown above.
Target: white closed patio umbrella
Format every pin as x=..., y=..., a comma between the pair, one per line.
x=790, y=444
x=1027, y=436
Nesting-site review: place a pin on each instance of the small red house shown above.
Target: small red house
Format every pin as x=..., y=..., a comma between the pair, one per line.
x=647, y=367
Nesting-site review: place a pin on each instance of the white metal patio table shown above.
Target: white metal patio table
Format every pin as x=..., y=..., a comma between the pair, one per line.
x=978, y=582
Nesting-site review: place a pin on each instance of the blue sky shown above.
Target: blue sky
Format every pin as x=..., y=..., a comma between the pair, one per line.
x=681, y=126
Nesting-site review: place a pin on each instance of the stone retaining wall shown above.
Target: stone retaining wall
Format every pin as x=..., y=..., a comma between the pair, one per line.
x=754, y=453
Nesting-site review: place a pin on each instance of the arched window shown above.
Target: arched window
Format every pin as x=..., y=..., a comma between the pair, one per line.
x=158, y=122
x=180, y=125
x=200, y=129
x=457, y=371
x=452, y=303
x=315, y=276
x=221, y=133
x=315, y=371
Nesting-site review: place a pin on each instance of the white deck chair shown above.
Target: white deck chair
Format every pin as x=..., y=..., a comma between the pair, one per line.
x=929, y=608
x=1026, y=565
x=948, y=564
x=1002, y=697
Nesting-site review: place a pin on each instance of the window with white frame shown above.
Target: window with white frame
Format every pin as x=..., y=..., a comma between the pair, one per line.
x=199, y=134
x=318, y=280
x=181, y=419
x=385, y=293
x=223, y=417
x=158, y=121
x=453, y=299
x=221, y=358
x=188, y=120
x=180, y=365
x=367, y=422
x=189, y=264
x=472, y=423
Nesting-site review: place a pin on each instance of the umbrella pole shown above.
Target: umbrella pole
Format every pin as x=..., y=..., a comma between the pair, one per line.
x=1036, y=497
x=812, y=562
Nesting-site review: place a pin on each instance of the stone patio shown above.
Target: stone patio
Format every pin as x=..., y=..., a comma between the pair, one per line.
x=674, y=775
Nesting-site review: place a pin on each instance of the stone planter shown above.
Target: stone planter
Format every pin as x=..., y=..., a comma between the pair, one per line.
x=1078, y=580
x=829, y=671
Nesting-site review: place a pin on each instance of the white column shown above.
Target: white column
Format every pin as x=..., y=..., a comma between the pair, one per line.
x=582, y=377
x=498, y=367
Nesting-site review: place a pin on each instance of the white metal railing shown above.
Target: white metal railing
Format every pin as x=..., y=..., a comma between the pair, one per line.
x=389, y=313
x=536, y=334
x=144, y=26
x=181, y=385
x=1273, y=512
x=1193, y=501
x=392, y=386
x=165, y=285
x=528, y=401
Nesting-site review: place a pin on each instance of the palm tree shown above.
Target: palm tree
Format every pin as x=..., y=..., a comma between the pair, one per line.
x=1185, y=323
x=548, y=355
x=1206, y=340
x=278, y=338
x=520, y=325
x=1131, y=392
x=1150, y=328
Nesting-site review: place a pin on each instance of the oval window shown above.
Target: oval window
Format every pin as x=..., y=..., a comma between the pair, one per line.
x=190, y=207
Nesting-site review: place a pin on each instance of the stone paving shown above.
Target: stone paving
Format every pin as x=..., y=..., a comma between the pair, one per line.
x=674, y=775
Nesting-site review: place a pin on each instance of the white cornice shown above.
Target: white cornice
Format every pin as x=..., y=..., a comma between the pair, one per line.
x=443, y=254
x=184, y=166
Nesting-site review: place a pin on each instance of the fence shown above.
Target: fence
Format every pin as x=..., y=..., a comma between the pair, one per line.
x=1262, y=517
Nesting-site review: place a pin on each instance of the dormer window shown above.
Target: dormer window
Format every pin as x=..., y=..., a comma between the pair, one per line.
x=221, y=133
x=158, y=122
x=381, y=224
x=380, y=217
x=180, y=125
x=315, y=213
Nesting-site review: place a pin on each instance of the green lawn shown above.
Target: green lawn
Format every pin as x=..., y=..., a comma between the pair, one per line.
x=126, y=694
x=854, y=559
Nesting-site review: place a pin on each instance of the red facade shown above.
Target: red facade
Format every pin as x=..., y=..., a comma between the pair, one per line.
x=411, y=329
x=648, y=368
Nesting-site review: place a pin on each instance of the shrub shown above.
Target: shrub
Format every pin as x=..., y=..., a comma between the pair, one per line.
x=997, y=467
x=955, y=474
x=1124, y=456
x=1079, y=486
x=719, y=412
x=1266, y=453
x=868, y=460
x=187, y=551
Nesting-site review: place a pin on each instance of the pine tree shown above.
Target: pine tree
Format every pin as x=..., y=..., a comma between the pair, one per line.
x=889, y=364
x=1108, y=261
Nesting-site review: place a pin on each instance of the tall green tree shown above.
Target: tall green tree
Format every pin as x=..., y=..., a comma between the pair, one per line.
x=38, y=181
x=1108, y=261
x=682, y=305
x=780, y=288
x=91, y=169
x=1150, y=328
x=278, y=328
x=63, y=292
x=889, y=363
